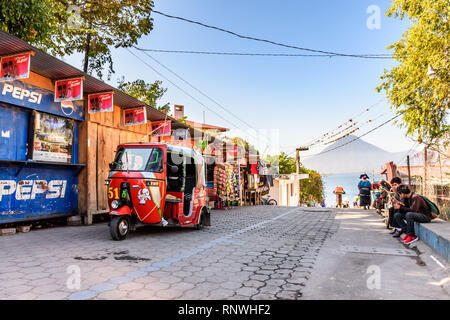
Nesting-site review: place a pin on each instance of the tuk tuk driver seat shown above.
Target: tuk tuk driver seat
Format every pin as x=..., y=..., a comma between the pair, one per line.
x=174, y=179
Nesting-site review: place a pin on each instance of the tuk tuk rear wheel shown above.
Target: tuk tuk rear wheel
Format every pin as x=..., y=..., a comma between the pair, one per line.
x=119, y=227
x=199, y=226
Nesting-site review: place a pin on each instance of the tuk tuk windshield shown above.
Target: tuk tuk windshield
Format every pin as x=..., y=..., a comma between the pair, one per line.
x=139, y=159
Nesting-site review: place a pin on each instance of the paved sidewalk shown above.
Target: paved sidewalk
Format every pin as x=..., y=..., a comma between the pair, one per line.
x=248, y=253
x=384, y=268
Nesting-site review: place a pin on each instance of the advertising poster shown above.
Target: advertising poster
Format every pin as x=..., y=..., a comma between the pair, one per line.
x=180, y=134
x=100, y=102
x=161, y=128
x=69, y=90
x=53, y=137
x=15, y=67
x=135, y=116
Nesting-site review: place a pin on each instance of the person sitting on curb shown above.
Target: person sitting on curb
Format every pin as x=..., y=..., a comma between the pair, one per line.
x=417, y=211
x=394, y=195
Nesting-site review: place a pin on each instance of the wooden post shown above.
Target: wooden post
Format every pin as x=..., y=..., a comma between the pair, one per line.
x=91, y=171
x=425, y=160
x=82, y=177
x=297, y=169
x=409, y=171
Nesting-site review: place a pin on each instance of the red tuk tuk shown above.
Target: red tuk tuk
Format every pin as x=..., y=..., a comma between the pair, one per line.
x=156, y=184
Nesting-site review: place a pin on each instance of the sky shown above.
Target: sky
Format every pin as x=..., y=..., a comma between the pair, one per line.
x=299, y=98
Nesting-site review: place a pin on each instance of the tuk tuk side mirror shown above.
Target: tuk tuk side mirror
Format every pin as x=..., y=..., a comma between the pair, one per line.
x=111, y=165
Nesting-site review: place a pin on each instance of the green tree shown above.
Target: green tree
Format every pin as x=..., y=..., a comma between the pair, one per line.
x=148, y=93
x=311, y=189
x=90, y=27
x=419, y=86
x=39, y=23
x=98, y=25
x=282, y=163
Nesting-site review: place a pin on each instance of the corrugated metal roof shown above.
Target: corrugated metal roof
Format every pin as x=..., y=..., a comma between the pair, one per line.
x=53, y=68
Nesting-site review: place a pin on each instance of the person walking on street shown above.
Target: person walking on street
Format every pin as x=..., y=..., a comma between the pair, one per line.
x=364, y=187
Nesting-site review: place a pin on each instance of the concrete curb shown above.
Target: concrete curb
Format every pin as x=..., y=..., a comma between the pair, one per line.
x=435, y=234
x=438, y=268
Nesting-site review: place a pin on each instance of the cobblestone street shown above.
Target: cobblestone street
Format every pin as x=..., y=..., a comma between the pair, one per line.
x=248, y=253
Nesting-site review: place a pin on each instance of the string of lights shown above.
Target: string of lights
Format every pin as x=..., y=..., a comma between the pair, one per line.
x=326, y=135
x=355, y=129
x=357, y=138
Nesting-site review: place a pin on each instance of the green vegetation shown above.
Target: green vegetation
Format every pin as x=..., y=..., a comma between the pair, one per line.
x=90, y=27
x=419, y=86
x=311, y=190
x=147, y=93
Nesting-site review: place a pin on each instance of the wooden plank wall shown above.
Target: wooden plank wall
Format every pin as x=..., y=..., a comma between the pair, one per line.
x=106, y=132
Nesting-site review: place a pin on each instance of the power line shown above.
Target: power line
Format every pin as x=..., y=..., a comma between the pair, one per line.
x=198, y=90
x=181, y=89
x=203, y=94
x=340, y=146
x=328, y=133
x=353, y=130
x=407, y=153
x=253, y=54
x=184, y=91
x=363, y=56
x=346, y=134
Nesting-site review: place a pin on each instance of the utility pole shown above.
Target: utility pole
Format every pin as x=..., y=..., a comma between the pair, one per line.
x=297, y=167
x=425, y=160
x=297, y=158
x=409, y=171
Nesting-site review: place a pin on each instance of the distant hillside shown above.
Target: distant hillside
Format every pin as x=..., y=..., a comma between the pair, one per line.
x=358, y=156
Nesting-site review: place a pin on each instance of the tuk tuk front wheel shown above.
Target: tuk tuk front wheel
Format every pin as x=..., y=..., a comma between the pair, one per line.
x=119, y=227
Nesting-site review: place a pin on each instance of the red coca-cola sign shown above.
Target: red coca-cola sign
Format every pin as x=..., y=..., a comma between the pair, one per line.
x=15, y=67
x=161, y=128
x=135, y=116
x=100, y=102
x=69, y=90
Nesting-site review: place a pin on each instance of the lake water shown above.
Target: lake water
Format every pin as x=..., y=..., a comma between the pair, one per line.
x=349, y=181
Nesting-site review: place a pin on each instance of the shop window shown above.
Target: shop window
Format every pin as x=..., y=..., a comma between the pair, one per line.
x=52, y=138
x=13, y=142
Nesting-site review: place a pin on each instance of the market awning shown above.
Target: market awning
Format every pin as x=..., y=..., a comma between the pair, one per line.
x=53, y=68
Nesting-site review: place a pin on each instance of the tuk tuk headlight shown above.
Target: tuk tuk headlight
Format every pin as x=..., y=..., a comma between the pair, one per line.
x=115, y=204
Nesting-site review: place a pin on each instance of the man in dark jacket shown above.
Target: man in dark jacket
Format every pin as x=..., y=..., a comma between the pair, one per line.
x=416, y=211
x=394, y=195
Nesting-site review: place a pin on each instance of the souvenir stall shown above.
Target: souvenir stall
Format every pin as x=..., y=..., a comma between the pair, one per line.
x=59, y=129
x=227, y=185
x=252, y=190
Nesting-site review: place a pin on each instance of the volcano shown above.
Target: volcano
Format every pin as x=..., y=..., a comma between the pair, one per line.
x=355, y=157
